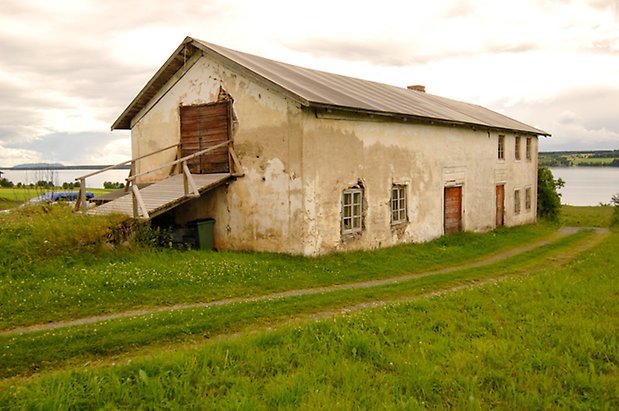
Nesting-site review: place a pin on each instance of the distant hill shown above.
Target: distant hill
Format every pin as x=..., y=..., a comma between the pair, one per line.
x=38, y=166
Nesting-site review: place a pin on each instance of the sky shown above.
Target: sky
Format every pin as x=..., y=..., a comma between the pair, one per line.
x=68, y=68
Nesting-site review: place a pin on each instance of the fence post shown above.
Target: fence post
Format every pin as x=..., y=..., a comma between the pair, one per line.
x=82, y=200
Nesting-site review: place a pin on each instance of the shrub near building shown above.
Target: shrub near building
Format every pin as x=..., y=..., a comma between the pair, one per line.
x=548, y=198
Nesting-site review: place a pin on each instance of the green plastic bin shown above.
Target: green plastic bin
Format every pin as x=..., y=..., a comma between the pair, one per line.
x=206, y=234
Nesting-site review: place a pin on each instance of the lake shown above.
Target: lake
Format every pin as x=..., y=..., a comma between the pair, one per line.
x=65, y=176
x=583, y=185
x=587, y=186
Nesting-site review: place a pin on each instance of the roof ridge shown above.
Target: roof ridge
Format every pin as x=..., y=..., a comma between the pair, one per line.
x=318, y=88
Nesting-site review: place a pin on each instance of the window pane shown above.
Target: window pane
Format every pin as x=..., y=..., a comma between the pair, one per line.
x=357, y=198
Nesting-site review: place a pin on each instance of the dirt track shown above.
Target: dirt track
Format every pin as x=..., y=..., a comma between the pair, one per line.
x=601, y=233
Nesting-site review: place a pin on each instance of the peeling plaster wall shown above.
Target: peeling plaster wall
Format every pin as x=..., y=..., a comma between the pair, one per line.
x=297, y=165
x=261, y=210
x=341, y=153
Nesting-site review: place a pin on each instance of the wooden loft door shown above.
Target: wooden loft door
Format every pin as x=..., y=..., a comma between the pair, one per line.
x=203, y=126
x=453, y=210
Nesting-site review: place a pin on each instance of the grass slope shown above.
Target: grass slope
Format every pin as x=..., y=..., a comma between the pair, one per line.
x=548, y=340
x=47, y=349
x=56, y=269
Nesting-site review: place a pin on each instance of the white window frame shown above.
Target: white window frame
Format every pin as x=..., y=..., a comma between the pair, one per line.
x=517, y=148
x=501, y=148
x=352, y=210
x=529, y=143
x=399, y=204
x=517, y=202
x=528, y=198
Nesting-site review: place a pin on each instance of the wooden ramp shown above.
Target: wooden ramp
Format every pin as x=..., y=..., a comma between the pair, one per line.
x=162, y=196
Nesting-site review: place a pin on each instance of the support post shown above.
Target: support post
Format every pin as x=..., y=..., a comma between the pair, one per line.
x=81, y=202
x=131, y=173
x=138, y=203
x=188, y=183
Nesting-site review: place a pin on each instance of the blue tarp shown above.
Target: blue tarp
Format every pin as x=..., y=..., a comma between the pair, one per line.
x=63, y=196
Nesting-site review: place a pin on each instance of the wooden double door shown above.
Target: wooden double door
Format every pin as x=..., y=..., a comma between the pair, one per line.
x=203, y=126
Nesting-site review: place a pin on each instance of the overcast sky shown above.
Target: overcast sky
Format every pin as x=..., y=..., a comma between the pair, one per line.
x=69, y=68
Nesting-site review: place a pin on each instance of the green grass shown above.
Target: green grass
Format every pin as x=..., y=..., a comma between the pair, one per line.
x=13, y=197
x=46, y=276
x=591, y=160
x=45, y=349
x=600, y=216
x=544, y=341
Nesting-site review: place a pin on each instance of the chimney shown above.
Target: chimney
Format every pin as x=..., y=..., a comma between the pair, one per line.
x=417, y=87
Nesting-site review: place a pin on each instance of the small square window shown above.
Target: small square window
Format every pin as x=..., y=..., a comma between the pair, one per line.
x=517, y=148
x=398, y=204
x=352, y=210
x=528, y=148
x=516, y=201
x=501, y=148
x=527, y=198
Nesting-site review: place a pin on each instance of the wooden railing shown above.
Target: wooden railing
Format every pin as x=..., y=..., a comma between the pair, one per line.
x=190, y=188
x=81, y=199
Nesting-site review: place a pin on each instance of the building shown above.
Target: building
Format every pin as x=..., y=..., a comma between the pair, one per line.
x=329, y=162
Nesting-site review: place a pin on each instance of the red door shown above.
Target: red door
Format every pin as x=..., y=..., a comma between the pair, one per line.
x=500, y=205
x=453, y=210
x=203, y=126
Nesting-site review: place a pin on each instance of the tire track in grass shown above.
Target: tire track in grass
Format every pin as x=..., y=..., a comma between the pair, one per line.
x=564, y=231
x=556, y=259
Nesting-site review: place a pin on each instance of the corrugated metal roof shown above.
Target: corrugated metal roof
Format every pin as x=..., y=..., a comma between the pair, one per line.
x=315, y=88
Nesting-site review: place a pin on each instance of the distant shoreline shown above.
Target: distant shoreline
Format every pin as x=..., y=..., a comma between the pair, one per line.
x=57, y=167
x=585, y=158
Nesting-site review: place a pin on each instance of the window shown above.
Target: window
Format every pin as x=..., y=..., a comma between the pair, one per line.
x=527, y=198
x=517, y=148
x=528, y=148
x=398, y=204
x=516, y=201
x=501, y=148
x=352, y=210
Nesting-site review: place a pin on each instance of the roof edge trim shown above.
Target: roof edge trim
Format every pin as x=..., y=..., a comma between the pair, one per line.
x=123, y=123
x=428, y=119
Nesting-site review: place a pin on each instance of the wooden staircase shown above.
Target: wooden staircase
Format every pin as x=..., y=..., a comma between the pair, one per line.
x=162, y=196
x=166, y=194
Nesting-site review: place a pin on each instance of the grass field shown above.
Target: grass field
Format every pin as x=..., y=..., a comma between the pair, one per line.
x=592, y=160
x=13, y=197
x=600, y=216
x=56, y=269
x=543, y=337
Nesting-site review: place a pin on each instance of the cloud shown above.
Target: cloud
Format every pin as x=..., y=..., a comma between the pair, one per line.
x=582, y=119
x=70, y=67
x=70, y=149
x=11, y=156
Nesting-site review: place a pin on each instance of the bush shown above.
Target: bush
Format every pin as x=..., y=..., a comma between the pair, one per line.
x=548, y=198
x=111, y=185
x=6, y=183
